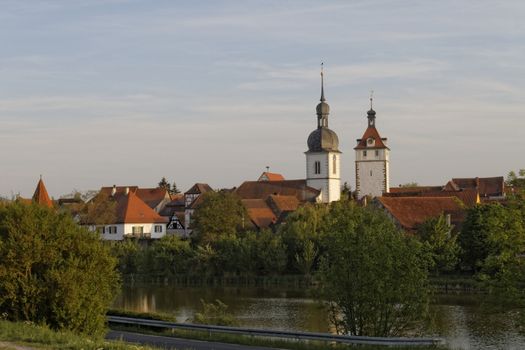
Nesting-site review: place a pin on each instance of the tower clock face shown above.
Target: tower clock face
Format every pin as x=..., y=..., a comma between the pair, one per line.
x=370, y=141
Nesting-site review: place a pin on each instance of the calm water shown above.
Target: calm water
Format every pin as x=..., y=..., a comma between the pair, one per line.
x=459, y=319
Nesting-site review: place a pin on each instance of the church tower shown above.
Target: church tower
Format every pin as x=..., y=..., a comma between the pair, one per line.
x=323, y=170
x=371, y=161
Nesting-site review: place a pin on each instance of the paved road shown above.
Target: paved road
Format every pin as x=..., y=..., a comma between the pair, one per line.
x=177, y=343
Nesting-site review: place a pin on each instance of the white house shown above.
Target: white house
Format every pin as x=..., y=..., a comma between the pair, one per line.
x=133, y=219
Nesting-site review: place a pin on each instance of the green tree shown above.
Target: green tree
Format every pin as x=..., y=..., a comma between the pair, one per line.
x=219, y=214
x=100, y=210
x=440, y=243
x=373, y=277
x=306, y=224
x=516, y=180
x=409, y=184
x=127, y=253
x=174, y=189
x=491, y=235
x=163, y=183
x=172, y=255
x=346, y=191
x=305, y=260
x=52, y=271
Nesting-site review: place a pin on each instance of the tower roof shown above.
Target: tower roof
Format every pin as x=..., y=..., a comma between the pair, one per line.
x=41, y=196
x=371, y=133
x=323, y=139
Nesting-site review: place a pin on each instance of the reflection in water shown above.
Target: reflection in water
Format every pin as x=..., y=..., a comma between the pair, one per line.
x=459, y=319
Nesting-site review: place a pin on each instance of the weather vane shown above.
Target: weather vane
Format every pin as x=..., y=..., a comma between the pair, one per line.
x=371, y=97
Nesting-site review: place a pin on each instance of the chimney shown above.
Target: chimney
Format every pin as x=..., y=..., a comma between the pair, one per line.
x=113, y=190
x=127, y=191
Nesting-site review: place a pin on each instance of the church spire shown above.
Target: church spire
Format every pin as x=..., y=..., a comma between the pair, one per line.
x=371, y=114
x=322, y=83
x=323, y=109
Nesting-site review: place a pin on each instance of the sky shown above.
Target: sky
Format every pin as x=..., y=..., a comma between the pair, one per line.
x=102, y=92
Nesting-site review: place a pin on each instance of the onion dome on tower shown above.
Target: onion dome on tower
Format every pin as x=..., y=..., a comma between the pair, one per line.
x=322, y=138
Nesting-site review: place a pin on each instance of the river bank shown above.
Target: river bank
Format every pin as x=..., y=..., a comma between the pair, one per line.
x=458, y=317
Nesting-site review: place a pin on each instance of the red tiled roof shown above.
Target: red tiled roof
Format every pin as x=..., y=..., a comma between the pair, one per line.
x=153, y=196
x=131, y=209
x=199, y=188
x=412, y=190
x=486, y=186
x=40, y=196
x=410, y=212
x=260, y=214
x=468, y=196
x=283, y=203
x=107, y=191
x=266, y=176
x=263, y=189
x=371, y=132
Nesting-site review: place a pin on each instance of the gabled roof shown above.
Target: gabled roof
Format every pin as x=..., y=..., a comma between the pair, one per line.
x=266, y=176
x=199, y=188
x=371, y=132
x=410, y=212
x=131, y=209
x=263, y=189
x=486, y=186
x=415, y=189
x=260, y=214
x=153, y=196
x=469, y=196
x=107, y=191
x=41, y=196
x=281, y=204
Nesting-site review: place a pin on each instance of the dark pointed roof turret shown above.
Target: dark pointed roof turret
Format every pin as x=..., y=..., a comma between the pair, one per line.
x=323, y=139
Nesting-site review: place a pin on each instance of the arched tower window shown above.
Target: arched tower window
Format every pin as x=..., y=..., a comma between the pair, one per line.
x=334, y=165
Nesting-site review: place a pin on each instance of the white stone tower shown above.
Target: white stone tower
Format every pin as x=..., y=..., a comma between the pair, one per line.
x=323, y=159
x=371, y=161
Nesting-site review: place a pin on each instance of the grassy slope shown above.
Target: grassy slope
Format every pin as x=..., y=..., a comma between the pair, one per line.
x=44, y=338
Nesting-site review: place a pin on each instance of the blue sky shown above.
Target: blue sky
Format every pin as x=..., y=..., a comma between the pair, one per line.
x=107, y=92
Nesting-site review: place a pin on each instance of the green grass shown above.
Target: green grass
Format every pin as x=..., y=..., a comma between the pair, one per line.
x=42, y=337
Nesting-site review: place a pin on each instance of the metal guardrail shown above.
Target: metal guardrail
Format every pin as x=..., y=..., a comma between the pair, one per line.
x=278, y=334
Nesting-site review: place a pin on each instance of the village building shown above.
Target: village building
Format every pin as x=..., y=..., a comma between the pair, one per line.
x=323, y=158
x=268, y=201
x=410, y=212
x=133, y=219
x=372, y=156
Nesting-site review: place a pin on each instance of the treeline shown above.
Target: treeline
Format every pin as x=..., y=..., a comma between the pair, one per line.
x=491, y=240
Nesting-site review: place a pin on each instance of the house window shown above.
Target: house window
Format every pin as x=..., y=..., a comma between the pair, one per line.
x=364, y=153
x=377, y=153
x=334, y=165
x=101, y=229
x=137, y=230
x=112, y=229
x=317, y=166
x=158, y=228
x=370, y=172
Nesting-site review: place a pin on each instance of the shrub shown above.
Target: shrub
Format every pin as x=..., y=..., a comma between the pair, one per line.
x=52, y=271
